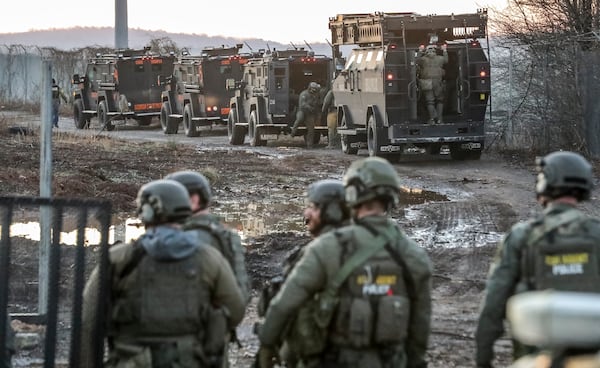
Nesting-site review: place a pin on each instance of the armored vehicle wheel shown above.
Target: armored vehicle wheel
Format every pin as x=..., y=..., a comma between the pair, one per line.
x=103, y=117
x=372, y=139
x=253, y=131
x=188, y=126
x=79, y=117
x=145, y=121
x=346, y=140
x=235, y=133
x=165, y=111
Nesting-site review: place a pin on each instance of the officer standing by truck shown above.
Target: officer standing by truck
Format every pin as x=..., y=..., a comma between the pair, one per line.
x=57, y=95
x=558, y=250
x=367, y=284
x=329, y=108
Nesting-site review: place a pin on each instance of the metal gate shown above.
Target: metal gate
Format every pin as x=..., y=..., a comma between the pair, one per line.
x=60, y=218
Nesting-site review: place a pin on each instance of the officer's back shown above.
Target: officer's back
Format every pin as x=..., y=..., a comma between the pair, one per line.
x=173, y=299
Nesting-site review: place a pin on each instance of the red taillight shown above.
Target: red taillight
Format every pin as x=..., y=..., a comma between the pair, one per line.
x=389, y=76
x=482, y=74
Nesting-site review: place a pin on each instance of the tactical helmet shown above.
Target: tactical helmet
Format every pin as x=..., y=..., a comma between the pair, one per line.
x=370, y=178
x=329, y=196
x=194, y=183
x=564, y=173
x=162, y=201
x=431, y=49
x=313, y=87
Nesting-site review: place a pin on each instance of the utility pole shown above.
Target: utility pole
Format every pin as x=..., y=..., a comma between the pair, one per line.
x=45, y=185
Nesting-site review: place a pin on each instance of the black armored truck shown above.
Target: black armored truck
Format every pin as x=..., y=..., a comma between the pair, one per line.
x=266, y=98
x=198, y=90
x=381, y=104
x=120, y=86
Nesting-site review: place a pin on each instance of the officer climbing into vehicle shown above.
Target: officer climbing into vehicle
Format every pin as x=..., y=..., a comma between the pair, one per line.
x=560, y=249
x=212, y=231
x=172, y=298
x=360, y=295
x=308, y=112
x=326, y=210
x=431, y=83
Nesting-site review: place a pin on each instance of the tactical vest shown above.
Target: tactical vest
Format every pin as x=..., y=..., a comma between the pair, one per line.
x=562, y=254
x=374, y=304
x=163, y=308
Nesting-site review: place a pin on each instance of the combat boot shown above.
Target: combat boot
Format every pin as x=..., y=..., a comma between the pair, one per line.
x=432, y=113
x=440, y=112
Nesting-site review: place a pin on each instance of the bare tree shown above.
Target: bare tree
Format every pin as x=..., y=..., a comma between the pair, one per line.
x=553, y=39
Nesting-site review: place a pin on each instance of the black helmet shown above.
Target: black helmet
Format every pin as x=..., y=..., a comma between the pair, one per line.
x=370, y=178
x=163, y=201
x=564, y=173
x=329, y=196
x=194, y=183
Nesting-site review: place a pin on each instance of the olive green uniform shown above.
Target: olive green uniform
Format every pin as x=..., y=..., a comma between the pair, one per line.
x=431, y=73
x=321, y=261
x=507, y=271
x=307, y=114
x=212, y=231
x=330, y=109
x=145, y=326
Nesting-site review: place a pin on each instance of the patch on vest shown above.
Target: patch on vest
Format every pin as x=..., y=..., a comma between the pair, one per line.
x=566, y=264
x=379, y=285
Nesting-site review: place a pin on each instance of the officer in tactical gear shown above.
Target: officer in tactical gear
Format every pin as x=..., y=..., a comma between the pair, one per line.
x=308, y=112
x=212, y=231
x=57, y=95
x=431, y=84
x=209, y=227
x=360, y=295
x=560, y=249
x=326, y=210
x=172, y=298
x=329, y=108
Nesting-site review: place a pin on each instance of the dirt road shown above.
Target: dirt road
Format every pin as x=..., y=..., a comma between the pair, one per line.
x=457, y=211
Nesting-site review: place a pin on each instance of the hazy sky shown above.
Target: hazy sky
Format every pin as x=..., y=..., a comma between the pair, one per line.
x=273, y=20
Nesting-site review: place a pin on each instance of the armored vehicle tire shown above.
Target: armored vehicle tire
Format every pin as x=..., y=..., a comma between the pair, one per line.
x=253, y=131
x=145, y=120
x=458, y=154
x=79, y=117
x=235, y=133
x=103, y=117
x=188, y=126
x=165, y=111
x=372, y=140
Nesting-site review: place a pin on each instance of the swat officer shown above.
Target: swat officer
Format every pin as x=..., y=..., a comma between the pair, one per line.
x=209, y=227
x=173, y=299
x=431, y=84
x=326, y=210
x=329, y=108
x=57, y=95
x=360, y=296
x=560, y=249
x=308, y=112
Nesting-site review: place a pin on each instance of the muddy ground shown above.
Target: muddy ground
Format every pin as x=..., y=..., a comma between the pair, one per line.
x=457, y=211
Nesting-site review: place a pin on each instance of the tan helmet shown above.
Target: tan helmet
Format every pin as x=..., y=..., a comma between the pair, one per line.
x=370, y=178
x=162, y=201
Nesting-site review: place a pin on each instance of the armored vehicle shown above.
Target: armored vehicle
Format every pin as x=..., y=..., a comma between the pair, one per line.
x=120, y=86
x=379, y=102
x=198, y=91
x=266, y=99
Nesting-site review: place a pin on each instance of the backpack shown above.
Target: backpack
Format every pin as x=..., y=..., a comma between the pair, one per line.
x=229, y=244
x=562, y=254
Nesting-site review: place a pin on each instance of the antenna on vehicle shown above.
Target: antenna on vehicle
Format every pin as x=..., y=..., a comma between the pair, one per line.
x=310, y=48
x=249, y=47
x=294, y=46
